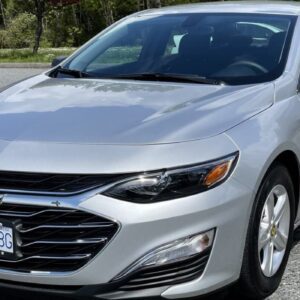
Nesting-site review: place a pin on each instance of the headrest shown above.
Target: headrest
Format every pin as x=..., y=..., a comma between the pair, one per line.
x=194, y=45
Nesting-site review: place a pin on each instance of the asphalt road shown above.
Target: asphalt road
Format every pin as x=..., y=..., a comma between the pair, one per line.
x=290, y=287
x=8, y=76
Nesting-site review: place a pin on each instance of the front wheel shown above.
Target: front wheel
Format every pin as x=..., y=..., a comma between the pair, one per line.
x=270, y=236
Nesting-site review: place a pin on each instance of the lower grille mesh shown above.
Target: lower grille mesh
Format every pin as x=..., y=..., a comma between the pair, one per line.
x=55, y=239
x=171, y=274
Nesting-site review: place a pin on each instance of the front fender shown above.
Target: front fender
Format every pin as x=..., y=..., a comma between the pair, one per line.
x=263, y=138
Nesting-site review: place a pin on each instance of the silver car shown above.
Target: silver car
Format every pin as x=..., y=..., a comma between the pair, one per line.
x=159, y=160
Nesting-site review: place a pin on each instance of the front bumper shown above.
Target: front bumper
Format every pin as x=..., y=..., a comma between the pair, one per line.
x=143, y=228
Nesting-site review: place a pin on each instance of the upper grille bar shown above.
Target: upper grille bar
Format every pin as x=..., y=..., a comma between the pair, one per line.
x=52, y=184
x=28, y=215
x=80, y=226
x=70, y=242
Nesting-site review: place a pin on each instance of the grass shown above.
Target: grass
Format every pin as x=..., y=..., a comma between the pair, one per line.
x=120, y=55
x=45, y=55
x=114, y=55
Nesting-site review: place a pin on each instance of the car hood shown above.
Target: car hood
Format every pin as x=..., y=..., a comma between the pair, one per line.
x=90, y=111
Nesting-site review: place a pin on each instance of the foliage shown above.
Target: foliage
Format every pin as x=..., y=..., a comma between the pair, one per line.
x=45, y=55
x=63, y=23
x=19, y=32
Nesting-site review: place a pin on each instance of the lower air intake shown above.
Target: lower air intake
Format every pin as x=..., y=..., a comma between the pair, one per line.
x=171, y=274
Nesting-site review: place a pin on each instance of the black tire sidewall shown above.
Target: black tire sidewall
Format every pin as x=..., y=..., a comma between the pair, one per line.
x=278, y=175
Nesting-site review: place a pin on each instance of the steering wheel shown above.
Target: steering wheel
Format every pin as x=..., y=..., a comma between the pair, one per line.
x=251, y=64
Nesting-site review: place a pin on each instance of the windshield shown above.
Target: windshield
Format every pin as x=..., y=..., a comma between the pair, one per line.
x=230, y=48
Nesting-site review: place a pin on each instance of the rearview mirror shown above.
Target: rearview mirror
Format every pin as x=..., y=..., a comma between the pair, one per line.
x=57, y=60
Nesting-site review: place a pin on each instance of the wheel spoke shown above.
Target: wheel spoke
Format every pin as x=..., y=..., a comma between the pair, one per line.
x=280, y=208
x=268, y=259
x=280, y=241
x=270, y=208
x=263, y=235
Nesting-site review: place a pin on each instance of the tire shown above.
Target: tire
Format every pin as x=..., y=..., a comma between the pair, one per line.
x=257, y=280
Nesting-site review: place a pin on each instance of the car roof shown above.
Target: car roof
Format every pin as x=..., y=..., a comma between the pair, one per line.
x=263, y=7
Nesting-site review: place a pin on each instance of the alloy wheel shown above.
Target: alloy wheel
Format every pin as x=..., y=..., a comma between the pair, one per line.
x=274, y=230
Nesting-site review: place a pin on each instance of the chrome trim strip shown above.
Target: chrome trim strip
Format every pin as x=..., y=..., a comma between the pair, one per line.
x=69, y=257
x=21, y=215
x=74, y=242
x=83, y=226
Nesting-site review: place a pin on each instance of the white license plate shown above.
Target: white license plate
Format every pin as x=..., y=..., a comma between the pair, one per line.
x=6, y=239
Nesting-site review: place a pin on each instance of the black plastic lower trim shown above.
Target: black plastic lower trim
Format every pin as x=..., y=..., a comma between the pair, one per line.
x=117, y=288
x=47, y=292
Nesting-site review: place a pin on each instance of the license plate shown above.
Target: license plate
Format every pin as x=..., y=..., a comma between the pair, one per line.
x=6, y=239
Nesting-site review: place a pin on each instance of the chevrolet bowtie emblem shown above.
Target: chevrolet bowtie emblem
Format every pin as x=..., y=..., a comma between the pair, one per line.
x=56, y=203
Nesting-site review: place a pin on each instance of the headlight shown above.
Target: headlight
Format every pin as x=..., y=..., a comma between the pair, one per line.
x=173, y=183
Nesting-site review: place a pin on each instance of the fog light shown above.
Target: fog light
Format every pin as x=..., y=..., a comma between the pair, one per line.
x=173, y=252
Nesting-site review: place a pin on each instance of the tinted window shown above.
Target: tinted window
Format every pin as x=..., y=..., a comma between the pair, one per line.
x=235, y=48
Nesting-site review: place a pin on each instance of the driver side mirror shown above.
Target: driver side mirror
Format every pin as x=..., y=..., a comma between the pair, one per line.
x=56, y=61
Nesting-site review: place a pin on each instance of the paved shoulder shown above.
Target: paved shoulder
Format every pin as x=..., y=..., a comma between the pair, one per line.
x=8, y=75
x=290, y=286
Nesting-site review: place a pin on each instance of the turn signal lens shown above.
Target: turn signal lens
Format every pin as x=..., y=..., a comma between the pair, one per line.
x=217, y=174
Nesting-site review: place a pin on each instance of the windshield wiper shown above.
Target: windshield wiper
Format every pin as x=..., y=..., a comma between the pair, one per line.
x=168, y=77
x=74, y=73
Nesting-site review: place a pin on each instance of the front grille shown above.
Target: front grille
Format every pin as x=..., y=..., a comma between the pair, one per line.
x=171, y=274
x=55, y=239
x=42, y=183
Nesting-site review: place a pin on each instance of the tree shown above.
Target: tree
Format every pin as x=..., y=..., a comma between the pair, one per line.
x=146, y=4
x=2, y=13
x=19, y=32
x=155, y=3
x=35, y=7
x=40, y=7
x=60, y=23
x=107, y=9
x=39, y=12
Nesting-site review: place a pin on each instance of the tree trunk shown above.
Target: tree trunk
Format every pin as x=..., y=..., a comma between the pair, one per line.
x=155, y=3
x=76, y=21
x=108, y=12
x=39, y=14
x=146, y=4
x=60, y=24
x=2, y=13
